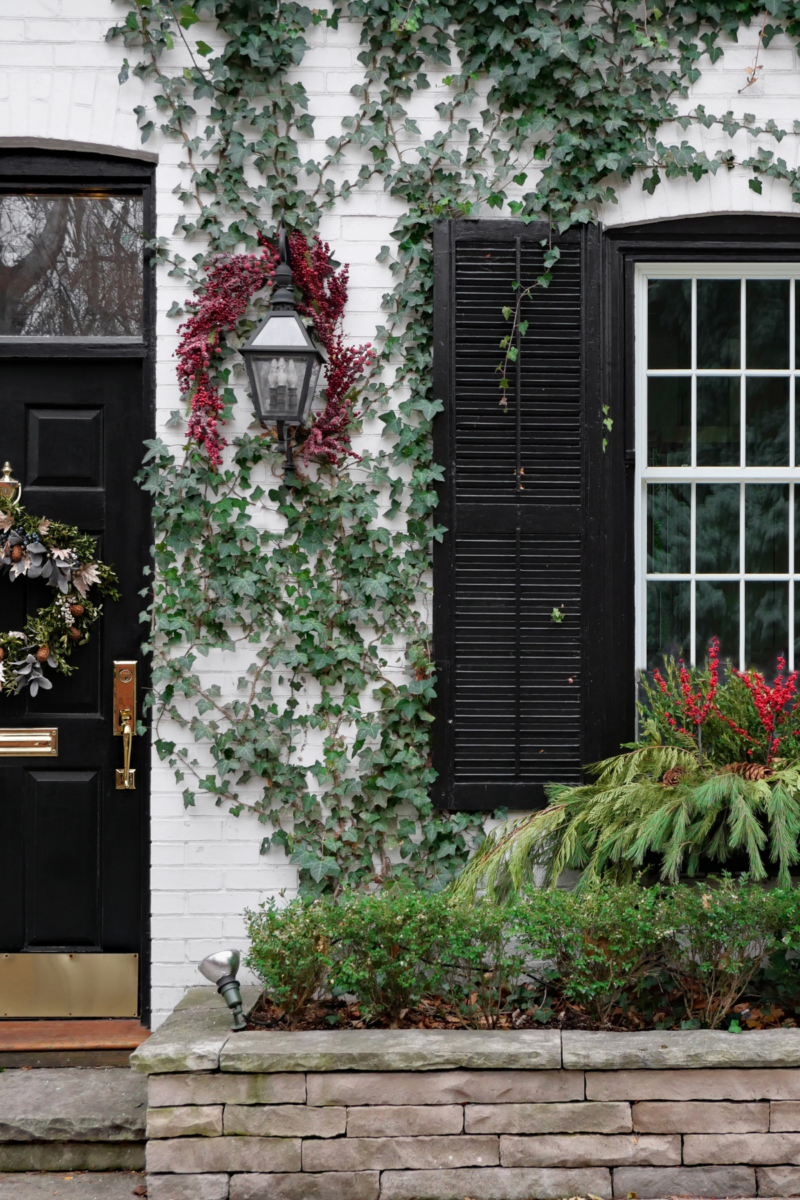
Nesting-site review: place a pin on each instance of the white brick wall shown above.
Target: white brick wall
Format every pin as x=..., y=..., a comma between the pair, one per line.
x=58, y=79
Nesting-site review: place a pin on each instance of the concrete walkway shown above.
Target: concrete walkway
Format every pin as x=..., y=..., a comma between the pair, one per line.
x=114, y=1185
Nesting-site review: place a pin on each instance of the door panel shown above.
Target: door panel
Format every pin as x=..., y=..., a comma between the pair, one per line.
x=71, y=844
x=62, y=858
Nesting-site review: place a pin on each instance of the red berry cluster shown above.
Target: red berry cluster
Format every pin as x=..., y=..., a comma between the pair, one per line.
x=694, y=708
x=324, y=296
x=220, y=302
x=770, y=702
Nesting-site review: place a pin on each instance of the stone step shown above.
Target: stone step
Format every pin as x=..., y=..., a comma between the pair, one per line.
x=72, y=1119
x=114, y=1185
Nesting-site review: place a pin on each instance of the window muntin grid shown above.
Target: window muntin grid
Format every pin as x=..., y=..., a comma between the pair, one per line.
x=716, y=501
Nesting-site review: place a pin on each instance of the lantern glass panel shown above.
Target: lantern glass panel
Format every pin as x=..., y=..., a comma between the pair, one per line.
x=282, y=383
x=281, y=330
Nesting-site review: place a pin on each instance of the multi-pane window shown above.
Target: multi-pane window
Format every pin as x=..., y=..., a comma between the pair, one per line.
x=718, y=491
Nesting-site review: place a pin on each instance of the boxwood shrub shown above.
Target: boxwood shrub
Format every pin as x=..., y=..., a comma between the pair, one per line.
x=718, y=954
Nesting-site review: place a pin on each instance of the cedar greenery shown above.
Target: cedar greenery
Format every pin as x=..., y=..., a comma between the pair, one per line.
x=669, y=798
x=581, y=97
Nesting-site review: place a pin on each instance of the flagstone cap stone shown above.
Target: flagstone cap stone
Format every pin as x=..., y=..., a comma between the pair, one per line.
x=197, y=1037
x=392, y=1050
x=690, y=1048
x=193, y=1035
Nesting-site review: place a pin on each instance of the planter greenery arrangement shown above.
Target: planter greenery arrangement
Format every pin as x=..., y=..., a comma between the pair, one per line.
x=712, y=783
x=610, y=956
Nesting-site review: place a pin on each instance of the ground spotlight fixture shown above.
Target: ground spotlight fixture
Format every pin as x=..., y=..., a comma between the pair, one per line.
x=221, y=969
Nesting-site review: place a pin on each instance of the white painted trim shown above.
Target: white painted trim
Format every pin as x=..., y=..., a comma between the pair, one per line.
x=695, y=474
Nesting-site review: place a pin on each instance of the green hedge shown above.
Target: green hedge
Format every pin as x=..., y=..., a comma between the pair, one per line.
x=606, y=957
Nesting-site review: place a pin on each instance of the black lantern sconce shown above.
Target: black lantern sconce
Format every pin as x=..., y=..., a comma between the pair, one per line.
x=283, y=362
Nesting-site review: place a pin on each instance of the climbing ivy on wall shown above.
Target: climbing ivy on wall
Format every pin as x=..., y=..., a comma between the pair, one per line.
x=550, y=108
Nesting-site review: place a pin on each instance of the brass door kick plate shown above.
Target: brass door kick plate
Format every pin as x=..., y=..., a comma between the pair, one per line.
x=28, y=743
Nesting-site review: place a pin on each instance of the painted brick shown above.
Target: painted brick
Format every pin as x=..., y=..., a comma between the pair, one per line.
x=754, y=1084
x=407, y=1120
x=494, y=1183
x=784, y=1115
x=339, y=1185
x=590, y=1150
x=194, y=1121
x=650, y=1183
x=200, y=1156
x=766, y=1149
x=443, y=1087
x=284, y=1120
x=547, y=1118
x=410, y=1153
x=692, y=1116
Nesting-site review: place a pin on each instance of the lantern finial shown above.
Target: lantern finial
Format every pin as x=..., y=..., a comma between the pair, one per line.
x=283, y=296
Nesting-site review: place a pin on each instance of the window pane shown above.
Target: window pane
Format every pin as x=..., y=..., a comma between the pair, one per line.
x=719, y=303
x=667, y=622
x=669, y=528
x=717, y=615
x=669, y=323
x=669, y=422
x=70, y=266
x=718, y=433
x=766, y=625
x=717, y=536
x=767, y=428
x=766, y=528
x=767, y=323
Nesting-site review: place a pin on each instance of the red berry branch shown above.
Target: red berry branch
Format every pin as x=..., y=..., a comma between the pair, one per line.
x=770, y=702
x=324, y=296
x=694, y=707
x=222, y=300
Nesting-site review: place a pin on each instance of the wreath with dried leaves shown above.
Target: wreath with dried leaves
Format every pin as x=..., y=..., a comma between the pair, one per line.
x=66, y=560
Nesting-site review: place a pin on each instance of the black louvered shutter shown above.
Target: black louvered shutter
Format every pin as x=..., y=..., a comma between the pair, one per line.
x=512, y=712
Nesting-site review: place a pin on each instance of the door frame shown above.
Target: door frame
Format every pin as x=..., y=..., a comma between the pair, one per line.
x=61, y=167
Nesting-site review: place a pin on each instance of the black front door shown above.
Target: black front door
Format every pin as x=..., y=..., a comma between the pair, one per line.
x=75, y=394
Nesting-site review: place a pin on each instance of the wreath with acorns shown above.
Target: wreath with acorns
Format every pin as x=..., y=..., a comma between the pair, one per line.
x=66, y=560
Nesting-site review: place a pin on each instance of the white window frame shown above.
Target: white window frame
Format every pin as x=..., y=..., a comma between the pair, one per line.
x=694, y=474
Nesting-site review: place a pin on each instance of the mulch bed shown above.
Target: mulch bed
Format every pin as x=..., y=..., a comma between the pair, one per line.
x=435, y=1013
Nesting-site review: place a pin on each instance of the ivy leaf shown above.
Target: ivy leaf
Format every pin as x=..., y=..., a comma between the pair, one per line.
x=188, y=16
x=755, y=185
x=204, y=48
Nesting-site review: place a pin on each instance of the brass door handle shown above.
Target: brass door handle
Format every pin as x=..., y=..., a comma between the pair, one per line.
x=125, y=720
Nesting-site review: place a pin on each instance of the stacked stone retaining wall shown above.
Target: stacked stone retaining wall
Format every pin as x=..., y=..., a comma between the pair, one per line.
x=431, y=1115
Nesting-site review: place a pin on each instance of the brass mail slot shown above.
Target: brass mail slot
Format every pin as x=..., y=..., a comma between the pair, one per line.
x=25, y=743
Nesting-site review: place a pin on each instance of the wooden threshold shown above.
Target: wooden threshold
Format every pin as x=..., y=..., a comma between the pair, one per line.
x=74, y=1035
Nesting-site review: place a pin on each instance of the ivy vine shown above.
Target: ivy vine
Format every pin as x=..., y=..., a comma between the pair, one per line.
x=582, y=95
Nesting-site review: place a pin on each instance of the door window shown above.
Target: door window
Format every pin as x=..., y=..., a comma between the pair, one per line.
x=71, y=266
x=717, y=485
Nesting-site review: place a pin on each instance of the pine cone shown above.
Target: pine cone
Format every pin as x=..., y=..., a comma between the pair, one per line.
x=43, y=653
x=2, y=653
x=673, y=776
x=77, y=610
x=74, y=633
x=16, y=553
x=750, y=771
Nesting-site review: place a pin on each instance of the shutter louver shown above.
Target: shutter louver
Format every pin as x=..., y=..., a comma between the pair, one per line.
x=509, y=717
